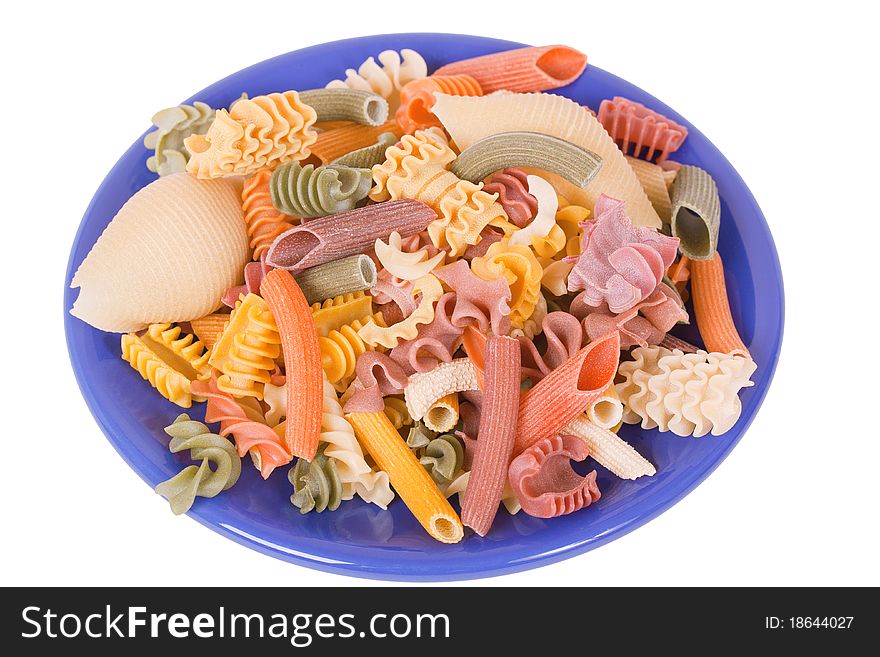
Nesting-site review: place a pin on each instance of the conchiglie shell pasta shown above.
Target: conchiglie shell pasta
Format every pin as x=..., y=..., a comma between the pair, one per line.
x=168, y=255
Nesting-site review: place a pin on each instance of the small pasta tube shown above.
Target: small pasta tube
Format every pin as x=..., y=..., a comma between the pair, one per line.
x=712, y=308
x=347, y=105
x=425, y=388
x=443, y=414
x=609, y=450
x=607, y=410
x=337, y=277
x=411, y=481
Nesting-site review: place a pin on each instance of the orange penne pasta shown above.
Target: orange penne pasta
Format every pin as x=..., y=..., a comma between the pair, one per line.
x=302, y=362
x=339, y=141
x=411, y=481
x=496, y=433
x=566, y=391
x=522, y=70
x=417, y=99
x=208, y=328
x=712, y=308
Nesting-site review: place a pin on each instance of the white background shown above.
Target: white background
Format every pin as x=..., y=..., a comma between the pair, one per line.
x=781, y=90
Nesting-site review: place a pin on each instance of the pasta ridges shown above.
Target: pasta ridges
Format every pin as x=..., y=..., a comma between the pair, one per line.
x=264, y=222
x=341, y=347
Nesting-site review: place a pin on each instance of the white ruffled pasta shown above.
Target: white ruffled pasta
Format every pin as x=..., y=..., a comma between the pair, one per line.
x=386, y=80
x=687, y=394
x=405, y=265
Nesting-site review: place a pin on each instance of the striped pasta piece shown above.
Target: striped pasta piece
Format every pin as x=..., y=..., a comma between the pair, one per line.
x=337, y=277
x=632, y=124
x=305, y=191
x=347, y=105
x=609, y=450
x=302, y=362
x=696, y=213
x=653, y=181
x=566, y=392
x=522, y=69
x=712, y=308
x=470, y=119
x=208, y=328
x=264, y=222
x=606, y=411
x=339, y=235
x=411, y=481
x=339, y=311
x=442, y=416
x=497, y=432
x=368, y=156
x=335, y=143
x=425, y=388
x=341, y=347
x=417, y=99
x=516, y=149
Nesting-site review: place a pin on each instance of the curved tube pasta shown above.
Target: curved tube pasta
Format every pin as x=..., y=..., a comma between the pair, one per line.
x=305, y=191
x=337, y=278
x=368, y=156
x=606, y=411
x=696, y=213
x=346, y=105
x=443, y=414
x=533, y=149
x=425, y=388
x=609, y=450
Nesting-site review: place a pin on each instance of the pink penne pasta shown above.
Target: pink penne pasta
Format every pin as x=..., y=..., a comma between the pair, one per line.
x=497, y=431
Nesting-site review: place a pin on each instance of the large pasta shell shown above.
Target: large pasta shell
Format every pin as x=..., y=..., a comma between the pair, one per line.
x=168, y=255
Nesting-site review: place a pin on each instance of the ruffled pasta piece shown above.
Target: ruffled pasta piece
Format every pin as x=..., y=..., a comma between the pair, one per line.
x=470, y=119
x=395, y=291
x=305, y=191
x=533, y=149
x=407, y=329
x=442, y=415
x=416, y=169
x=397, y=412
x=409, y=478
x=632, y=124
x=341, y=347
x=609, y=450
x=254, y=273
x=264, y=222
x=334, y=313
x=347, y=105
x=544, y=481
x=512, y=188
x=522, y=69
x=316, y=484
x=606, y=411
x=275, y=399
x=566, y=392
x=712, y=308
x=368, y=156
x=434, y=343
x=696, y=213
x=620, y=263
x=349, y=233
x=219, y=469
x=208, y=328
x=554, y=277
x=497, y=432
x=337, y=278
x=405, y=265
x=517, y=265
x=688, y=394
x=396, y=70
x=246, y=425
x=256, y=133
x=302, y=361
x=417, y=99
x=331, y=145
x=168, y=255
x=540, y=228
x=168, y=361
x=484, y=301
x=425, y=388
x=653, y=181
x=377, y=377
x=564, y=337
x=173, y=125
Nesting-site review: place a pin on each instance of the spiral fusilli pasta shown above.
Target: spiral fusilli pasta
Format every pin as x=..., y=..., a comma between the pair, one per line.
x=316, y=484
x=173, y=125
x=310, y=192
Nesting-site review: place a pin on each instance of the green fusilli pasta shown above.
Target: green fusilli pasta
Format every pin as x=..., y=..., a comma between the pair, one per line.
x=173, y=125
x=316, y=484
x=309, y=192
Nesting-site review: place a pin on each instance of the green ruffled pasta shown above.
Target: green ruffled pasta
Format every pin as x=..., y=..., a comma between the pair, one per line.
x=337, y=277
x=316, y=483
x=202, y=480
x=696, y=213
x=347, y=105
x=173, y=125
x=443, y=458
x=309, y=192
x=368, y=156
x=527, y=149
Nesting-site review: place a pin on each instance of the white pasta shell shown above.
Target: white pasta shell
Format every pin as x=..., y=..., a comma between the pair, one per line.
x=168, y=255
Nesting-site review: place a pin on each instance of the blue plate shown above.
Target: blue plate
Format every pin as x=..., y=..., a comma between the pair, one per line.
x=361, y=539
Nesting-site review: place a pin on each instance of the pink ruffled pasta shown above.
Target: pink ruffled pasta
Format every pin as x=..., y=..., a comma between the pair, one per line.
x=378, y=376
x=254, y=273
x=487, y=238
x=477, y=300
x=390, y=289
x=632, y=124
x=564, y=338
x=512, y=188
x=435, y=343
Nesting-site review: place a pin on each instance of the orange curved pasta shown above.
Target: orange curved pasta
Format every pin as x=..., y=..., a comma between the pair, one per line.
x=411, y=481
x=712, y=308
x=302, y=362
x=417, y=99
x=208, y=328
x=335, y=143
x=264, y=223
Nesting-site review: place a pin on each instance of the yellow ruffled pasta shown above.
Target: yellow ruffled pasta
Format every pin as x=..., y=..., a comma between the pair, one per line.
x=334, y=313
x=569, y=218
x=534, y=324
x=522, y=271
x=407, y=329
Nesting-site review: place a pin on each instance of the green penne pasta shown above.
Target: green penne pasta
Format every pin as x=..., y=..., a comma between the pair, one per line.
x=347, y=105
x=316, y=483
x=337, y=277
x=532, y=149
x=696, y=213
x=304, y=191
x=369, y=156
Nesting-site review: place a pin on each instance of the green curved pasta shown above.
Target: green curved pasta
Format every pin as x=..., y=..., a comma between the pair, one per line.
x=202, y=480
x=368, y=156
x=527, y=149
x=443, y=458
x=419, y=436
x=173, y=125
x=337, y=277
x=347, y=105
x=316, y=483
x=309, y=192
x=696, y=213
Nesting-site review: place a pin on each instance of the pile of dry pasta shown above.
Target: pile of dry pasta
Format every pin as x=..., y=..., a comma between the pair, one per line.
x=422, y=285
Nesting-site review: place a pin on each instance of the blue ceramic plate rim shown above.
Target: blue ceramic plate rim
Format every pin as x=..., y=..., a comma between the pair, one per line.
x=349, y=560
